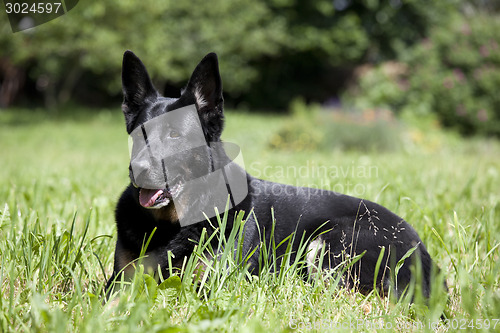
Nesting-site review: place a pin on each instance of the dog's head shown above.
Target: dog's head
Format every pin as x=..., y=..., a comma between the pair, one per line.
x=141, y=101
x=167, y=126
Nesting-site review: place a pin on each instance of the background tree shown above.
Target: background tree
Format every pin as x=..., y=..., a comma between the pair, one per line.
x=270, y=51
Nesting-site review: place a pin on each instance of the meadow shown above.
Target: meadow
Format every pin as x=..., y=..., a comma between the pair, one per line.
x=61, y=175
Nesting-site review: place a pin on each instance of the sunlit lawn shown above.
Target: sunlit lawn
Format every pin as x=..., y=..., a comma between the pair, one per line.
x=60, y=179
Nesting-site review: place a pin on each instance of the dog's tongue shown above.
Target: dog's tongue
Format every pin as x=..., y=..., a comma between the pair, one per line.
x=148, y=197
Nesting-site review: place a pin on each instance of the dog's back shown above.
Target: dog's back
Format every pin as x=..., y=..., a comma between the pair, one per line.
x=343, y=226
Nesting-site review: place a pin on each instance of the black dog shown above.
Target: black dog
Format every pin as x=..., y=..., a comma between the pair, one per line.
x=339, y=224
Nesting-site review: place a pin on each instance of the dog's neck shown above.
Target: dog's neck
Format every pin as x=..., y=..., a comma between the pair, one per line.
x=165, y=214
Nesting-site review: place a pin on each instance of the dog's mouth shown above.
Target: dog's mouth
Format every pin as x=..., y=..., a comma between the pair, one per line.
x=158, y=198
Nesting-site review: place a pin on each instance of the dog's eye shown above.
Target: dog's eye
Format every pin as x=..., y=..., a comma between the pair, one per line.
x=174, y=134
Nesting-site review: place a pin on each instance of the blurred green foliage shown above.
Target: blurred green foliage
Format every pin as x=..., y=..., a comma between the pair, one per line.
x=457, y=70
x=270, y=51
x=312, y=128
x=455, y=73
x=381, y=86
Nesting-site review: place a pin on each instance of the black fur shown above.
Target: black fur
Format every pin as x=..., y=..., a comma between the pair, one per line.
x=350, y=225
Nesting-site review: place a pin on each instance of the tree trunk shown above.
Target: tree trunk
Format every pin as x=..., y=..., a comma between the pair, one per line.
x=12, y=80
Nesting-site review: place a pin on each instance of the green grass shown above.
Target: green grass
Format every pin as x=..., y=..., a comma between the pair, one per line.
x=60, y=178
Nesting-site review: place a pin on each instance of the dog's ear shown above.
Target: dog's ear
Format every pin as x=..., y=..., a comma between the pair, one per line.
x=136, y=84
x=205, y=85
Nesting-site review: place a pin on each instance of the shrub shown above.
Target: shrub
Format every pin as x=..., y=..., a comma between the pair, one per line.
x=314, y=128
x=454, y=73
x=382, y=86
x=465, y=60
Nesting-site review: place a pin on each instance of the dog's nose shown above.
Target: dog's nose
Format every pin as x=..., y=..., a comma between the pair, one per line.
x=148, y=173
